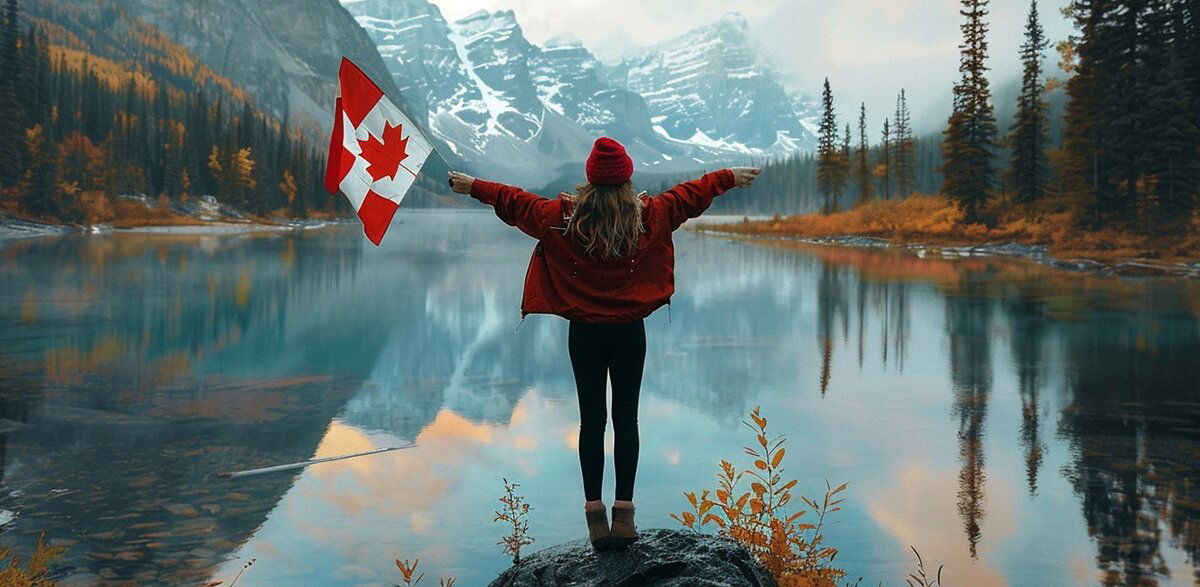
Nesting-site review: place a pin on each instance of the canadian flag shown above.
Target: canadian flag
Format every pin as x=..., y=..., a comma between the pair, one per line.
x=375, y=151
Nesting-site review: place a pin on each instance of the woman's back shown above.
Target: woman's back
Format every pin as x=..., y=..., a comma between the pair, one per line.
x=567, y=278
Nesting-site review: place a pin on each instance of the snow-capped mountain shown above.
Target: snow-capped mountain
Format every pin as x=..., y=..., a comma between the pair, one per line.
x=514, y=109
x=709, y=87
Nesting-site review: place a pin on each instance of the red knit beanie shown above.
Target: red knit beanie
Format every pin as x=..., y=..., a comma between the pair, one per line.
x=608, y=164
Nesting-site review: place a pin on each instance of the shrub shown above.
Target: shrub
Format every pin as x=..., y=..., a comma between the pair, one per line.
x=36, y=571
x=792, y=551
x=514, y=510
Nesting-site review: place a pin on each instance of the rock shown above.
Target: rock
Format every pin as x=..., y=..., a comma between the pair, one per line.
x=673, y=558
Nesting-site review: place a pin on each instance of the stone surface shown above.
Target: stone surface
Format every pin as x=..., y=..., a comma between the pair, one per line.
x=673, y=558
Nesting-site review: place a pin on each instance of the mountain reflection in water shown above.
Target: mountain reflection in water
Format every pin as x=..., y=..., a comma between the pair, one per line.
x=1017, y=424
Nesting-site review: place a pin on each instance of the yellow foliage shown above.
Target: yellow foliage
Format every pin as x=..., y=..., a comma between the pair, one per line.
x=243, y=169
x=110, y=73
x=287, y=187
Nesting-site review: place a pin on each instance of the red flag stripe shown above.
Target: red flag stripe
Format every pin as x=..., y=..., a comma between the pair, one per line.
x=359, y=93
x=337, y=161
x=376, y=213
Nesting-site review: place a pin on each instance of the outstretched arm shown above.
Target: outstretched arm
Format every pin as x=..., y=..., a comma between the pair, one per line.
x=516, y=207
x=691, y=198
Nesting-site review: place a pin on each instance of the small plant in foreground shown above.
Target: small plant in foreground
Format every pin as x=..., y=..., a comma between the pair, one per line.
x=36, y=571
x=409, y=568
x=514, y=510
x=920, y=578
x=791, y=551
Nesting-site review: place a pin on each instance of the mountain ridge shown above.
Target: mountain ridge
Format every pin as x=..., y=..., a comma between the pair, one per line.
x=522, y=111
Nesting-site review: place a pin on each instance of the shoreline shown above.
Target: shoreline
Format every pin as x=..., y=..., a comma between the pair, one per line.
x=12, y=229
x=1038, y=253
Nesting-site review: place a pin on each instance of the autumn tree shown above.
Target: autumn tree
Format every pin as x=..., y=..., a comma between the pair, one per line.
x=969, y=145
x=81, y=162
x=1028, y=166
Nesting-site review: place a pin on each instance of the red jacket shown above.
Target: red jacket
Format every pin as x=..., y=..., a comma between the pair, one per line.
x=563, y=280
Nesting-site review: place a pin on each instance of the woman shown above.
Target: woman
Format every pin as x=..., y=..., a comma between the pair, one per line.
x=604, y=261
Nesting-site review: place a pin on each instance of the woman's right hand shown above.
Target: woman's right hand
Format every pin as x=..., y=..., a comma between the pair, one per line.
x=460, y=182
x=744, y=176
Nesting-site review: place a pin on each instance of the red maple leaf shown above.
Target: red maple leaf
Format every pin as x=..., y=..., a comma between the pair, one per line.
x=384, y=156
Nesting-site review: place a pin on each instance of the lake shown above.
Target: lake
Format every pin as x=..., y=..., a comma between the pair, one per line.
x=1017, y=424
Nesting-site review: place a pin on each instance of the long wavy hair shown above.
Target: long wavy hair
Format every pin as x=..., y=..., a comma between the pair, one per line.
x=607, y=219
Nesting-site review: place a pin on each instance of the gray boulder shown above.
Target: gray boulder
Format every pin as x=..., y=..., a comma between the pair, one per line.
x=673, y=558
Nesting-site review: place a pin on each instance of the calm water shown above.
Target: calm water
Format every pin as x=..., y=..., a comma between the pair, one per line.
x=1018, y=425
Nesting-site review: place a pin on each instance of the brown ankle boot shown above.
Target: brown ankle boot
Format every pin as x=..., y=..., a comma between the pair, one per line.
x=624, y=532
x=597, y=522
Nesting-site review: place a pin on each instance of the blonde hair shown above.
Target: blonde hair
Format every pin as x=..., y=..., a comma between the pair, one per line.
x=607, y=219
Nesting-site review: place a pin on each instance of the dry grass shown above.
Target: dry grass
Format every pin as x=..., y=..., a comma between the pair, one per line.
x=936, y=220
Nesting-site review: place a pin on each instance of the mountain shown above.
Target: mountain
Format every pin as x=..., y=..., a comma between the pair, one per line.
x=283, y=53
x=518, y=111
x=709, y=87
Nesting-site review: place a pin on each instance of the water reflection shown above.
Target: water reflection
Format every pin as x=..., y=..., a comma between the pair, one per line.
x=1018, y=424
x=1130, y=377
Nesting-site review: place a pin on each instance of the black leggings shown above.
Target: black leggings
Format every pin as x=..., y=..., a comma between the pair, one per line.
x=600, y=352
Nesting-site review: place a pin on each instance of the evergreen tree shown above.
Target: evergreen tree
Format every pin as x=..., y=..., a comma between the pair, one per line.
x=970, y=137
x=862, y=168
x=1170, y=126
x=40, y=189
x=827, y=156
x=903, y=149
x=885, y=159
x=1084, y=171
x=12, y=122
x=1028, y=165
x=845, y=165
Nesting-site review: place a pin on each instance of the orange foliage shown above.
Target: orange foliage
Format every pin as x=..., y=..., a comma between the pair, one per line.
x=36, y=572
x=792, y=551
x=936, y=220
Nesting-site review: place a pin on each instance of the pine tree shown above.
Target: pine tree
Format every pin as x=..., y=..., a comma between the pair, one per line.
x=827, y=164
x=885, y=159
x=970, y=137
x=1028, y=164
x=13, y=120
x=1084, y=172
x=862, y=168
x=41, y=179
x=845, y=166
x=903, y=149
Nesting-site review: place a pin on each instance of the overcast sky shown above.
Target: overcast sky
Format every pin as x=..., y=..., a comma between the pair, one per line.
x=869, y=49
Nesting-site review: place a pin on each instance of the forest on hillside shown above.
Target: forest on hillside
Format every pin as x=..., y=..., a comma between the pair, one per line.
x=100, y=105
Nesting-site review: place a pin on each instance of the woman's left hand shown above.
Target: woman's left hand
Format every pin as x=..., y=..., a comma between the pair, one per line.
x=460, y=182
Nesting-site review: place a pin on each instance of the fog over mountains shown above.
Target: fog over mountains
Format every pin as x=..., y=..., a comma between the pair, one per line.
x=515, y=110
